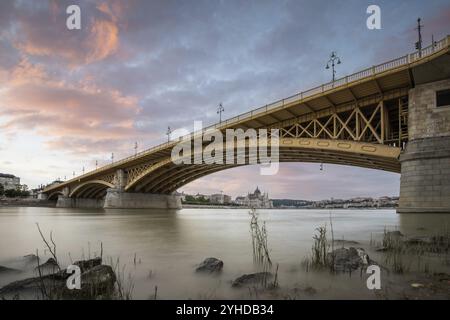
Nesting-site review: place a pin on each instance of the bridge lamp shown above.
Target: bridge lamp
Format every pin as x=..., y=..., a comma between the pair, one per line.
x=334, y=60
x=135, y=148
x=96, y=164
x=220, y=109
x=83, y=169
x=112, y=157
x=168, y=133
x=74, y=173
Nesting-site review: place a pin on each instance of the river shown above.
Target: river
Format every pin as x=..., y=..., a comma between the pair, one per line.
x=161, y=248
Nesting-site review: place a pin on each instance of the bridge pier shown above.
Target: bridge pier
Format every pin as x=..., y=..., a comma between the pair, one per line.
x=119, y=199
x=425, y=164
x=84, y=203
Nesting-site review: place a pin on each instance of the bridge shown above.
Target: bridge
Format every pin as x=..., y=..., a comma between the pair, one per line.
x=394, y=117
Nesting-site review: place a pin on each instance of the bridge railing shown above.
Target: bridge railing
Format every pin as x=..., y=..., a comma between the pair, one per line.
x=363, y=74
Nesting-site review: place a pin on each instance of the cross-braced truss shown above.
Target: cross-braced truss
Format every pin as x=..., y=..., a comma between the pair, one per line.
x=359, y=124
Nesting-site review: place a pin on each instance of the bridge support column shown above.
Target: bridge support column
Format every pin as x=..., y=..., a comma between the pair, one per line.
x=84, y=203
x=116, y=198
x=425, y=164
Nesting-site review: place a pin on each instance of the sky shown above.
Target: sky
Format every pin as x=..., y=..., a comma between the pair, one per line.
x=69, y=98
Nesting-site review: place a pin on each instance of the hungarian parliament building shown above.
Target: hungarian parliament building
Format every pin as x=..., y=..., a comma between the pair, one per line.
x=256, y=199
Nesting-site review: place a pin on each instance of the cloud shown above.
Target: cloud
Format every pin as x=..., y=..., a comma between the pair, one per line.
x=67, y=113
x=137, y=67
x=41, y=31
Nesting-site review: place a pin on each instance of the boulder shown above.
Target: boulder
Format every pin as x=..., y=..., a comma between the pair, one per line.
x=29, y=259
x=32, y=287
x=88, y=264
x=97, y=281
x=49, y=267
x=348, y=259
x=252, y=278
x=6, y=270
x=210, y=265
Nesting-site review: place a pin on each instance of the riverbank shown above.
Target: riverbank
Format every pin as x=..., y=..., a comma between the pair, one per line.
x=25, y=202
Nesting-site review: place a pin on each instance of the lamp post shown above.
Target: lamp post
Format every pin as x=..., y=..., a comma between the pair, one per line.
x=419, y=33
x=112, y=157
x=220, y=109
x=135, y=148
x=334, y=60
x=96, y=164
x=169, y=131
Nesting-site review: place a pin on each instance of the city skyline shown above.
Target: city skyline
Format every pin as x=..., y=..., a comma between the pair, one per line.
x=59, y=114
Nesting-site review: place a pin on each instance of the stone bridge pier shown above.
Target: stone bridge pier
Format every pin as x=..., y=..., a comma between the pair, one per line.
x=118, y=198
x=425, y=164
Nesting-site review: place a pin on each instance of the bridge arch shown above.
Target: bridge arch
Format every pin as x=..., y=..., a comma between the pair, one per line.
x=91, y=189
x=54, y=195
x=167, y=177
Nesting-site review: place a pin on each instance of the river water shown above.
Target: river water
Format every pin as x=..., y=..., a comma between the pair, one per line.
x=161, y=248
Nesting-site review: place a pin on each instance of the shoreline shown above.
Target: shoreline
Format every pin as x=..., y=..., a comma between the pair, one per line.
x=27, y=203
x=51, y=204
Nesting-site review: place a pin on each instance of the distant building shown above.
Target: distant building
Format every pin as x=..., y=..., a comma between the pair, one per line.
x=220, y=198
x=257, y=199
x=9, y=181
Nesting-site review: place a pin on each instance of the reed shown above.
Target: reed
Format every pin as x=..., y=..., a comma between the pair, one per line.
x=261, y=255
x=321, y=257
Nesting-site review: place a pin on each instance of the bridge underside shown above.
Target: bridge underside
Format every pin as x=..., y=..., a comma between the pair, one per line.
x=154, y=186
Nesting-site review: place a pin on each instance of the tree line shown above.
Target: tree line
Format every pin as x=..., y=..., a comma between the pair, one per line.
x=13, y=193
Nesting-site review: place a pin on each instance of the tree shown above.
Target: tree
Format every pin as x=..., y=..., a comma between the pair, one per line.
x=2, y=189
x=10, y=193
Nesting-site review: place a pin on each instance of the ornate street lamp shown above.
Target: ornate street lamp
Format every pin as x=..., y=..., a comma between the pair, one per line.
x=334, y=60
x=169, y=131
x=220, y=109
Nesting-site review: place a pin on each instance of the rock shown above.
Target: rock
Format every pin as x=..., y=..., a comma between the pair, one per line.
x=96, y=282
x=31, y=287
x=50, y=266
x=88, y=264
x=348, y=259
x=6, y=270
x=29, y=259
x=210, y=265
x=417, y=285
x=252, y=278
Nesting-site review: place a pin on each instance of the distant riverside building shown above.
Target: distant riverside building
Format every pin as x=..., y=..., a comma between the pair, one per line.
x=220, y=198
x=257, y=199
x=9, y=181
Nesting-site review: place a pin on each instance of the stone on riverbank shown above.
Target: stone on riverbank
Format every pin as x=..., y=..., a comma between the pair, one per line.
x=210, y=265
x=252, y=278
x=348, y=259
x=97, y=281
x=6, y=270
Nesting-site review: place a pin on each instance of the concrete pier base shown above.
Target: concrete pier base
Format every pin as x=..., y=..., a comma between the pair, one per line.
x=119, y=199
x=425, y=164
x=66, y=202
x=425, y=179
